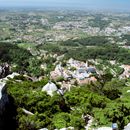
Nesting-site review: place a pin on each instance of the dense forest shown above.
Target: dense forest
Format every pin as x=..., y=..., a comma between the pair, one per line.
x=89, y=41
x=127, y=37
x=101, y=100
x=106, y=52
x=11, y=53
x=90, y=48
x=19, y=59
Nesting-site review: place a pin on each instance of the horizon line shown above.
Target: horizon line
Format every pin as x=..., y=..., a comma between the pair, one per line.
x=62, y=8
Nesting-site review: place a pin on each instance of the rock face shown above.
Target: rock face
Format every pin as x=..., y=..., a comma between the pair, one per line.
x=7, y=110
x=4, y=70
x=2, y=85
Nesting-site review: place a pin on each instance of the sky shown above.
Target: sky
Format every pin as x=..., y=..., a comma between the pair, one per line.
x=77, y=4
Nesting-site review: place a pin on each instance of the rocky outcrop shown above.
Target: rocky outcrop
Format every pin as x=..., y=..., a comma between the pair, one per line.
x=7, y=113
x=7, y=110
x=4, y=70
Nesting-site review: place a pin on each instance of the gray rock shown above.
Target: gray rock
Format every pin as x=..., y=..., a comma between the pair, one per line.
x=127, y=127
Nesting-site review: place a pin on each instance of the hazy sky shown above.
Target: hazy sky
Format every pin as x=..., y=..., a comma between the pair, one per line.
x=88, y=4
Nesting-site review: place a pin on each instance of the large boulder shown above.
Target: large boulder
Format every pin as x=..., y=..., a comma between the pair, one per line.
x=127, y=127
x=50, y=88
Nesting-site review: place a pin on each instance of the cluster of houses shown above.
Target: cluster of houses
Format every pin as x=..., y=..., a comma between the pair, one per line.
x=74, y=72
x=69, y=25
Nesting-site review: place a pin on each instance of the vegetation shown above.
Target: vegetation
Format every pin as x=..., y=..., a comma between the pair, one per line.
x=89, y=41
x=11, y=53
x=99, y=22
x=102, y=101
x=22, y=60
x=104, y=52
x=126, y=37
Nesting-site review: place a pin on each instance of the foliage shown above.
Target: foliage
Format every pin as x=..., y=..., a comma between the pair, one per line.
x=89, y=41
x=34, y=67
x=61, y=120
x=99, y=49
x=126, y=37
x=100, y=100
x=13, y=54
x=99, y=22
